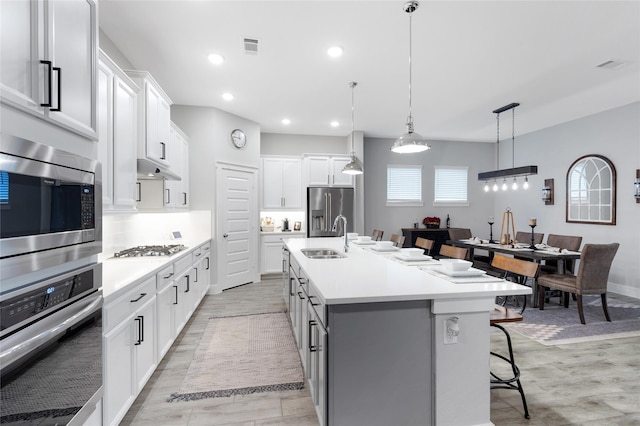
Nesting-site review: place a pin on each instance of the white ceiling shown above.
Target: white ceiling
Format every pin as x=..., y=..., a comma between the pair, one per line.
x=469, y=58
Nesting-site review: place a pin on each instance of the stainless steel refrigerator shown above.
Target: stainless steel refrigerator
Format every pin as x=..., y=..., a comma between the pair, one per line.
x=323, y=206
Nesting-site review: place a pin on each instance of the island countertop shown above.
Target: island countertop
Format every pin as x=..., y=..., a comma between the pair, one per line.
x=366, y=277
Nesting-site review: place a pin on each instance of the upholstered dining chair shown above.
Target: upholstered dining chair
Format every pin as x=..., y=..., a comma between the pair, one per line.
x=398, y=240
x=377, y=235
x=459, y=234
x=424, y=244
x=516, y=270
x=525, y=237
x=453, y=252
x=568, y=242
x=591, y=279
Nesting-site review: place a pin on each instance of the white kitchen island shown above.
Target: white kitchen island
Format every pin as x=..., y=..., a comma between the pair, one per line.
x=371, y=334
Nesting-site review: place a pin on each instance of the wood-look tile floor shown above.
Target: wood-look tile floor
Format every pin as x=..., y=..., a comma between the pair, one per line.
x=593, y=383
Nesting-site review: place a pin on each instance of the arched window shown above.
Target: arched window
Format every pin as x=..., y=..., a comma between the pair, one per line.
x=591, y=191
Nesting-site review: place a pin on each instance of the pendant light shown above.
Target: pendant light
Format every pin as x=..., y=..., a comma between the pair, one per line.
x=410, y=142
x=353, y=167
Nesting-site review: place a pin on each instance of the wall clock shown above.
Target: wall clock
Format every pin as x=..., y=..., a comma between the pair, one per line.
x=239, y=138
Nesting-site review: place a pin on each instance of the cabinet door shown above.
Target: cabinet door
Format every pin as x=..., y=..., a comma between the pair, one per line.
x=105, y=131
x=339, y=178
x=145, y=343
x=21, y=43
x=321, y=388
x=292, y=183
x=184, y=183
x=72, y=47
x=272, y=178
x=155, y=150
x=164, y=130
x=318, y=172
x=124, y=145
x=166, y=300
x=271, y=256
x=118, y=383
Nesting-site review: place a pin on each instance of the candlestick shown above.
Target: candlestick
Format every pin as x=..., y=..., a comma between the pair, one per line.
x=533, y=221
x=491, y=230
x=532, y=224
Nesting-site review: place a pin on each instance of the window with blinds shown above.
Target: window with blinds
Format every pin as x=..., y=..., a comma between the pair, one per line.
x=404, y=185
x=450, y=185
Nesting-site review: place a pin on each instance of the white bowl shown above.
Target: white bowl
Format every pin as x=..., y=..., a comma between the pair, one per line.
x=412, y=252
x=352, y=235
x=384, y=243
x=456, y=264
x=364, y=238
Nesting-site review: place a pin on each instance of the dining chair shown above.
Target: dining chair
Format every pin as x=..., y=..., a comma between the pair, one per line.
x=398, y=240
x=525, y=237
x=516, y=270
x=591, y=279
x=459, y=234
x=453, y=252
x=424, y=244
x=568, y=242
x=377, y=235
x=501, y=314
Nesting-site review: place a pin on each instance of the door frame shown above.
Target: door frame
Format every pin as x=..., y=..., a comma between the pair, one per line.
x=254, y=218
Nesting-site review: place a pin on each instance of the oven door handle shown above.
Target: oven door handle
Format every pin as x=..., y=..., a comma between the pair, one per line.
x=17, y=345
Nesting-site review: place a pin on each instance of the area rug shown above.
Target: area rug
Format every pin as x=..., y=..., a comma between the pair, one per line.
x=557, y=325
x=242, y=355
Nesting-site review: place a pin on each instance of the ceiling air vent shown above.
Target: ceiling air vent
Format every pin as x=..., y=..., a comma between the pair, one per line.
x=250, y=46
x=610, y=65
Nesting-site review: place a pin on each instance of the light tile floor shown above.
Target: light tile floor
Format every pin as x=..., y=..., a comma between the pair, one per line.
x=593, y=383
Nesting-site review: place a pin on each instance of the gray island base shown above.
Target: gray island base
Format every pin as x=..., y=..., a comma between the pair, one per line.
x=371, y=335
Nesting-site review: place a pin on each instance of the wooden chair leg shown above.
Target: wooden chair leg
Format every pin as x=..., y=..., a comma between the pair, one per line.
x=580, y=312
x=603, y=296
x=541, y=291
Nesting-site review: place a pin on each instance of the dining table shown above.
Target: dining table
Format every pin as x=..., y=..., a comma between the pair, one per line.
x=522, y=251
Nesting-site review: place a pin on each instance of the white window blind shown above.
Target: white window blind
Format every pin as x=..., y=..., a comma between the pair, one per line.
x=404, y=185
x=450, y=185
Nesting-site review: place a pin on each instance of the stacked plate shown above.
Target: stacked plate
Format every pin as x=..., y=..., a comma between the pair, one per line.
x=412, y=255
x=458, y=268
x=385, y=246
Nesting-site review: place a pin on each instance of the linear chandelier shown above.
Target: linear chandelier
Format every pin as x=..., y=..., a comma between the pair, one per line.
x=513, y=172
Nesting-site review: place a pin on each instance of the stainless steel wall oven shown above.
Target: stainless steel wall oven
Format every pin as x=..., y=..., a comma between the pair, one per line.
x=50, y=207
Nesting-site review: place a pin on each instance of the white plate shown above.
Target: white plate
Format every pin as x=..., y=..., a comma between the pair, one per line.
x=379, y=248
x=471, y=272
x=412, y=258
x=364, y=243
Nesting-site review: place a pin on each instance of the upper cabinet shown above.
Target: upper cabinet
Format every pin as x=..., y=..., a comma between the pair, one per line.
x=327, y=171
x=176, y=192
x=48, y=61
x=117, y=127
x=281, y=183
x=154, y=120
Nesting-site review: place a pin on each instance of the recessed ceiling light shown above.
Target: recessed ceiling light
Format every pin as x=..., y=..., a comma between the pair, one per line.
x=335, y=51
x=216, y=59
x=227, y=96
x=286, y=121
x=334, y=124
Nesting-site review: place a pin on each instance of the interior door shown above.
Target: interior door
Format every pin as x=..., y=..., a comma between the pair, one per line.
x=237, y=233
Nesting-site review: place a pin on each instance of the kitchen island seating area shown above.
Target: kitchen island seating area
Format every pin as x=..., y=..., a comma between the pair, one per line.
x=591, y=279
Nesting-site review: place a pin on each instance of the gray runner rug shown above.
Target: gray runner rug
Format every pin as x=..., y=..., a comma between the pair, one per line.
x=243, y=355
x=559, y=325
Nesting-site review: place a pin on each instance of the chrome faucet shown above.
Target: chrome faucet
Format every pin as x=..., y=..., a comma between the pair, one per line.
x=335, y=228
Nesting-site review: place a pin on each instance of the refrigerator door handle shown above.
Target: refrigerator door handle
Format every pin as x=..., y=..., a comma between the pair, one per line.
x=330, y=221
x=326, y=213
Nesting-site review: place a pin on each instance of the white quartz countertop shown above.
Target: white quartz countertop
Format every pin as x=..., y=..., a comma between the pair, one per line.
x=365, y=276
x=119, y=274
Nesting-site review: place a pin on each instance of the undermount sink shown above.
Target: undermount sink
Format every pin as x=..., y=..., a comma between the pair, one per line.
x=322, y=253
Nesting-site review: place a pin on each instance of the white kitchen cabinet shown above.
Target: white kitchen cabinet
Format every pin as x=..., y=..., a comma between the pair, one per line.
x=166, y=302
x=202, y=271
x=327, y=171
x=129, y=348
x=117, y=127
x=48, y=61
x=281, y=183
x=154, y=120
x=271, y=251
x=176, y=192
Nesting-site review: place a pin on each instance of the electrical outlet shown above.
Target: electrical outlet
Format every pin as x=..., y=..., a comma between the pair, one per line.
x=451, y=331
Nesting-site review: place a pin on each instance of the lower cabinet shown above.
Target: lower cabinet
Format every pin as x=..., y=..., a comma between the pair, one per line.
x=141, y=326
x=271, y=251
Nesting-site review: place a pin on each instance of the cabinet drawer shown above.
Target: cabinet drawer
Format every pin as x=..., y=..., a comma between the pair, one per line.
x=164, y=277
x=182, y=265
x=197, y=254
x=317, y=304
x=116, y=312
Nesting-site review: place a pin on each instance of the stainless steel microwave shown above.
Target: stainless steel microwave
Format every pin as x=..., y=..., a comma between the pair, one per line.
x=50, y=206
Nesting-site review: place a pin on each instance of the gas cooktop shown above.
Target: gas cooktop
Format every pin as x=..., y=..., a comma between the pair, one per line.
x=139, y=251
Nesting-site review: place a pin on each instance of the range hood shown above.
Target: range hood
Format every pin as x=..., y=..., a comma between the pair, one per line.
x=150, y=170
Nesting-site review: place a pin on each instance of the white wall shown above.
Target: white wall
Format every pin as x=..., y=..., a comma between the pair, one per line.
x=614, y=134
x=283, y=144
